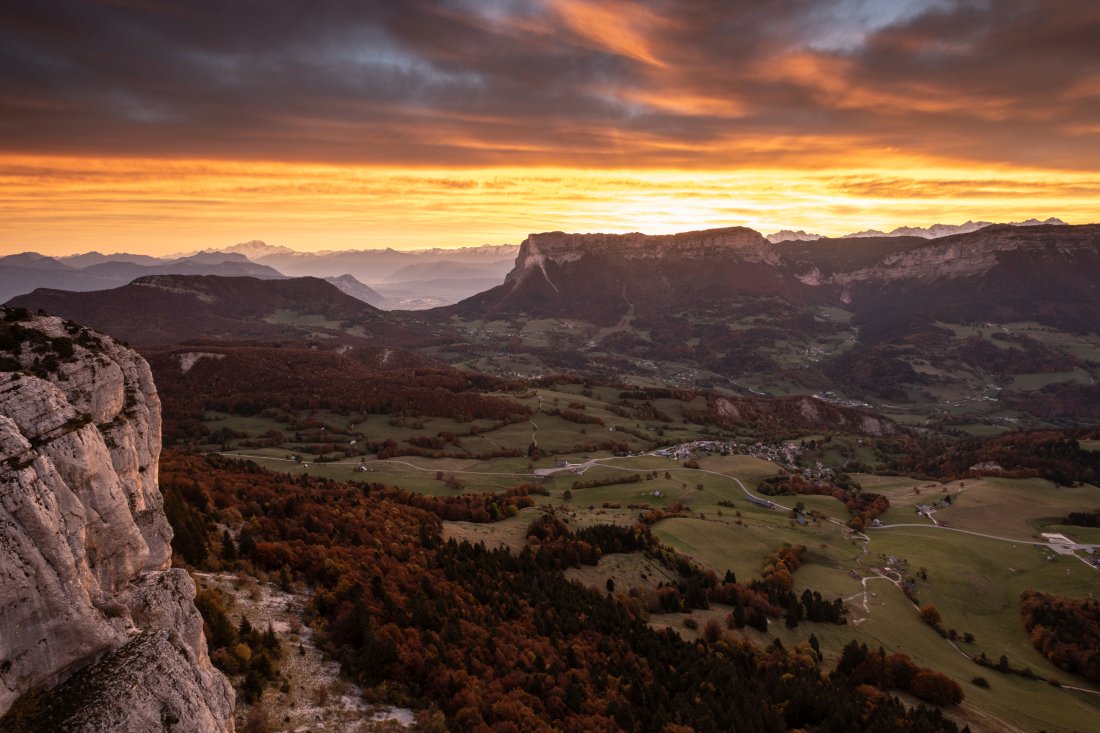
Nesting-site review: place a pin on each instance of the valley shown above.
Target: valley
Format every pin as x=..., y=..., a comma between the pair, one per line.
x=715, y=461
x=970, y=559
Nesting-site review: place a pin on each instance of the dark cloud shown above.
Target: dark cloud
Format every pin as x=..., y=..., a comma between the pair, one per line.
x=692, y=83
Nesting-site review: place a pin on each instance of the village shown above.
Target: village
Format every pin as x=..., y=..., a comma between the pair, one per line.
x=786, y=455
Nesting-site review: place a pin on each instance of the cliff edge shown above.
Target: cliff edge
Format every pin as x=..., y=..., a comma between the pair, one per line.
x=97, y=631
x=558, y=247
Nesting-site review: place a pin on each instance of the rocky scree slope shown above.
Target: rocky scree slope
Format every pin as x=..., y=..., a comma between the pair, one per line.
x=94, y=623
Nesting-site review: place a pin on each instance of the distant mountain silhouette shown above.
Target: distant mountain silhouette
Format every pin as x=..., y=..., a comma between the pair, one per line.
x=95, y=258
x=350, y=286
x=24, y=273
x=169, y=309
x=931, y=232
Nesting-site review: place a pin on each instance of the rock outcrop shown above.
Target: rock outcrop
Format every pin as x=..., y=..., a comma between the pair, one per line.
x=559, y=247
x=970, y=255
x=88, y=599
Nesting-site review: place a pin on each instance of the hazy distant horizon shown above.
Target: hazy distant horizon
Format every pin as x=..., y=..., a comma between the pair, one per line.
x=62, y=251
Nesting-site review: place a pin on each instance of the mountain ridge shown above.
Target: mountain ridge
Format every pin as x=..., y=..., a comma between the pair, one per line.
x=164, y=309
x=934, y=231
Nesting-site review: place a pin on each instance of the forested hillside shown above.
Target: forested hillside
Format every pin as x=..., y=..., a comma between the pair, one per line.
x=496, y=640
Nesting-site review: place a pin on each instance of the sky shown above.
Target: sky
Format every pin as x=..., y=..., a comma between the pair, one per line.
x=157, y=127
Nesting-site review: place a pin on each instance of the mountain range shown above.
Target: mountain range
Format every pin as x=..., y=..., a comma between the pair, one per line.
x=932, y=232
x=1002, y=318
x=1042, y=272
x=22, y=273
x=407, y=280
x=385, y=278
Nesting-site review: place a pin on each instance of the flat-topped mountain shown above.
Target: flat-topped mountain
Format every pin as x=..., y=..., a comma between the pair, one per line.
x=891, y=318
x=560, y=247
x=602, y=276
x=173, y=308
x=1002, y=273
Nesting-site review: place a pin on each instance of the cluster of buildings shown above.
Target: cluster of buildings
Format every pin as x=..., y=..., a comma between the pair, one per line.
x=781, y=454
x=684, y=451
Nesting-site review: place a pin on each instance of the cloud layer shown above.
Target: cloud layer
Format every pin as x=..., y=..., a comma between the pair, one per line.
x=683, y=83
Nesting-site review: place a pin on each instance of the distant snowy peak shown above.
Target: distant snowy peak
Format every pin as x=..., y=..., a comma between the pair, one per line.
x=257, y=248
x=933, y=232
x=945, y=230
x=1053, y=221
x=487, y=250
x=786, y=235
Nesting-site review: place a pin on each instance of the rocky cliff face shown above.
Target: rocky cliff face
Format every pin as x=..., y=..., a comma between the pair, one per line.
x=559, y=247
x=973, y=254
x=88, y=600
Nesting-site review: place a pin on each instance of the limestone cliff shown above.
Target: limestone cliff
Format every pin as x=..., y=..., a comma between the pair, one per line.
x=88, y=599
x=741, y=242
x=971, y=255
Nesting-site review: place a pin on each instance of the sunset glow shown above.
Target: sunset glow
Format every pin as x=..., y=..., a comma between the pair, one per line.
x=470, y=123
x=63, y=205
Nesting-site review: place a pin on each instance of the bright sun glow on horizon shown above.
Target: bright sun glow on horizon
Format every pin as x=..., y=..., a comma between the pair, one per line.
x=60, y=205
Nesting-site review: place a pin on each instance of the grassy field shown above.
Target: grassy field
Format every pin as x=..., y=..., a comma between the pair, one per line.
x=625, y=571
x=975, y=583
x=553, y=433
x=1038, y=381
x=510, y=532
x=1013, y=508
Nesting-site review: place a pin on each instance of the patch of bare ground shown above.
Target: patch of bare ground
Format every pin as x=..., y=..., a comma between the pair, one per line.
x=691, y=625
x=309, y=696
x=510, y=533
x=626, y=571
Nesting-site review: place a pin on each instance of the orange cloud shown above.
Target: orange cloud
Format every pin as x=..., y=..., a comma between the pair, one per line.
x=619, y=27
